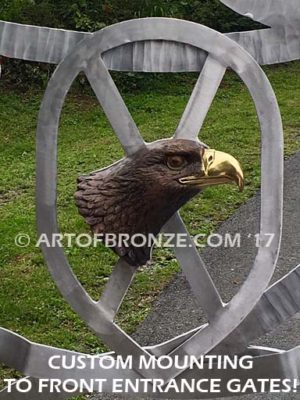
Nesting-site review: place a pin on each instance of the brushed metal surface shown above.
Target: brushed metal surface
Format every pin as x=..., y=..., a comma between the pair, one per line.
x=226, y=52
x=201, y=99
x=274, y=13
x=194, y=269
x=166, y=45
x=268, y=46
x=25, y=361
x=34, y=43
x=269, y=364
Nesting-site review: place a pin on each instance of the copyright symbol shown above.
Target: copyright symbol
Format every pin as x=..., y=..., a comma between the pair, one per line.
x=22, y=240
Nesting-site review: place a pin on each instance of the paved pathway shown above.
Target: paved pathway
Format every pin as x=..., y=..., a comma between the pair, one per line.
x=175, y=311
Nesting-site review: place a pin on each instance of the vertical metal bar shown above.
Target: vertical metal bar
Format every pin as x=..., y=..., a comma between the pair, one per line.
x=195, y=271
x=113, y=105
x=95, y=316
x=201, y=99
x=116, y=288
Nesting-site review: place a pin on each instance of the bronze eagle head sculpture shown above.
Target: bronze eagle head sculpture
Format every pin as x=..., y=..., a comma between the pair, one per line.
x=140, y=193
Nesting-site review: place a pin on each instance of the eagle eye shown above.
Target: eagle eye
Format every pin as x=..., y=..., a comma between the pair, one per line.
x=176, y=162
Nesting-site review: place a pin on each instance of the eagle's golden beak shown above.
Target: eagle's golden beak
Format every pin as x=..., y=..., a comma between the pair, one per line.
x=217, y=168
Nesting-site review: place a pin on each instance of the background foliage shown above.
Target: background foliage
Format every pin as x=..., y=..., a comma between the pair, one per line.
x=92, y=15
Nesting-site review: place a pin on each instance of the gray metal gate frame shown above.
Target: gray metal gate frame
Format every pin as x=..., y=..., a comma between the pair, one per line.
x=256, y=309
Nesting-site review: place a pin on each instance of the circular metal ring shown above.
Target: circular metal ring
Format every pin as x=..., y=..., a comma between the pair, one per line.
x=86, y=57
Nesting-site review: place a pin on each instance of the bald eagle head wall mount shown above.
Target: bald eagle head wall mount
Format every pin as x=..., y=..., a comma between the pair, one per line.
x=140, y=193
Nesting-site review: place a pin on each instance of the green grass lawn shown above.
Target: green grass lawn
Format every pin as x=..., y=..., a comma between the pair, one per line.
x=30, y=302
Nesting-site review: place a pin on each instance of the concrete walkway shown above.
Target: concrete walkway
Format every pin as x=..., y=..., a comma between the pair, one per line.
x=175, y=312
